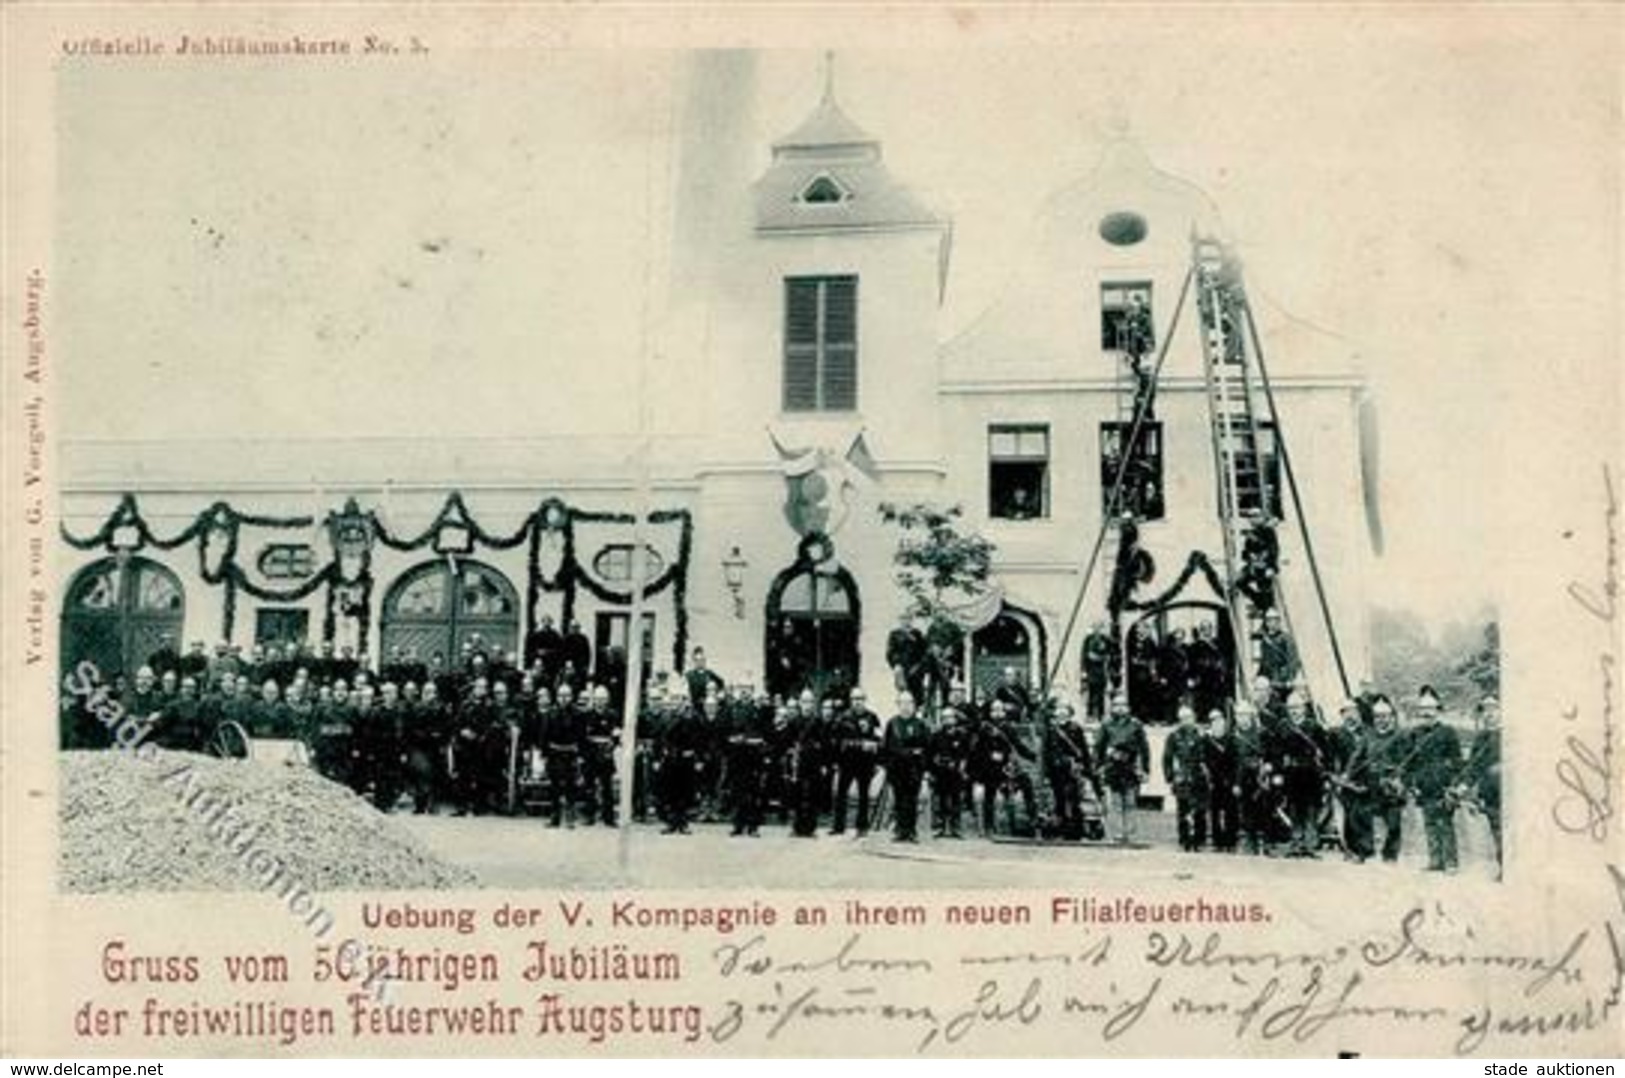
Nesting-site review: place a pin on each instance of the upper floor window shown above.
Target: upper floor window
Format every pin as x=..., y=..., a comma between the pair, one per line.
x=1018, y=472
x=1125, y=317
x=820, y=344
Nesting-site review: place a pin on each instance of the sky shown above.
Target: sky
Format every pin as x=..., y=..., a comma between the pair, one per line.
x=354, y=252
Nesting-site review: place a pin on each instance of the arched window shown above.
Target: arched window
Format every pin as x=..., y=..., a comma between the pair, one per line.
x=1013, y=639
x=812, y=627
x=434, y=609
x=1182, y=652
x=118, y=615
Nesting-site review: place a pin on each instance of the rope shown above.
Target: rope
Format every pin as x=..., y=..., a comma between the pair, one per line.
x=1107, y=520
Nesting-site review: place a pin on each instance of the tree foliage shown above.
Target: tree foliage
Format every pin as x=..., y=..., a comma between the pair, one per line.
x=1463, y=663
x=937, y=562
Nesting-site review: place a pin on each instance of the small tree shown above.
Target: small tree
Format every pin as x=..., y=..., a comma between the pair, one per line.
x=939, y=566
x=1482, y=669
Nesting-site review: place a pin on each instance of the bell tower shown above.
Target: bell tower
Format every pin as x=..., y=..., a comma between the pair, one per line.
x=828, y=310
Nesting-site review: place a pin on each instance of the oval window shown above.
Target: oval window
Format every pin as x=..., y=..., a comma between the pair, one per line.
x=1122, y=229
x=613, y=564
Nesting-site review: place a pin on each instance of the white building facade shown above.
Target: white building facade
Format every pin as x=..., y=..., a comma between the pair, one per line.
x=806, y=341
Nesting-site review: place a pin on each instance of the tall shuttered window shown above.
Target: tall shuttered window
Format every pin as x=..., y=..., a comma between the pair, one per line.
x=820, y=344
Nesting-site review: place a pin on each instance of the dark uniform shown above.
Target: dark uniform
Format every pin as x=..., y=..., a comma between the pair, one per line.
x=857, y=754
x=651, y=723
x=576, y=653
x=702, y=682
x=1435, y=763
x=949, y=751
x=1100, y=663
x=906, y=655
x=269, y=719
x=748, y=741
x=1015, y=698
x=501, y=749
x=1277, y=657
x=713, y=783
x=1355, y=782
x=364, y=743
x=995, y=768
x=333, y=741
x=1124, y=755
x=1255, y=796
x=561, y=752
x=601, y=733
x=470, y=722
x=142, y=705
x=1224, y=792
x=1387, y=748
x=426, y=736
x=906, y=744
x=809, y=771
x=1482, y=777
x=1187, y=768
x=1206, y=666
x=1067, y=766
x=387, y=736
x=542, y=650
x=1295, y=755
x=681, y=743
x=183, y=725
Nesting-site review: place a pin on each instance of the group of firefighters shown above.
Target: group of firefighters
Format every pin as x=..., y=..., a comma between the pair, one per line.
x=1262, y=775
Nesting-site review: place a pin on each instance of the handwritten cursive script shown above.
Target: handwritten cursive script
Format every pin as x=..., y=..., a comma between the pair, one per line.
x=1585, y=769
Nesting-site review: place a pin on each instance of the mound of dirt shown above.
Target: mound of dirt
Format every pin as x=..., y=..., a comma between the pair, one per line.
x=174, y=821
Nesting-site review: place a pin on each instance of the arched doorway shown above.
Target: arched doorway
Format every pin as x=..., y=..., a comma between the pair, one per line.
x=813, y=620
x=435, y=608
x=117, y=615
x=1013, y=639
x=1181, y=651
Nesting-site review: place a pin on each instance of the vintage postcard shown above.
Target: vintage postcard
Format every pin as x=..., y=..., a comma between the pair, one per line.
x=802, y=531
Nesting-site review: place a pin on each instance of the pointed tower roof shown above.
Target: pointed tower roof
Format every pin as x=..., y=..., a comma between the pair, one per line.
x=827, y=175
x=827, y=130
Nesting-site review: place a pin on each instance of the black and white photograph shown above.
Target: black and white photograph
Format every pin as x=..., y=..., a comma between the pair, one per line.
x=1091, y=557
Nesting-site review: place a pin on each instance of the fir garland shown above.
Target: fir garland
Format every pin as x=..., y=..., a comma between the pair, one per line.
x=1198, y=561
x=222, y=519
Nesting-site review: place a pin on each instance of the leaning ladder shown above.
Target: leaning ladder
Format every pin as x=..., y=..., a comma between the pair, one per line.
x=1242, y=485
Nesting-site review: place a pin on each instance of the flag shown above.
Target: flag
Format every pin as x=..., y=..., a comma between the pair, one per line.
x=858, y=455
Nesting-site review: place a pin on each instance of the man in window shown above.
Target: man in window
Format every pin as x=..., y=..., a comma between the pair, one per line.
x=1021, y=504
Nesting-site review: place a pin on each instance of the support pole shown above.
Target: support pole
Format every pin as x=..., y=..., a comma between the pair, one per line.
x=658, y=145
x=1297, y=503
x=1129, y=444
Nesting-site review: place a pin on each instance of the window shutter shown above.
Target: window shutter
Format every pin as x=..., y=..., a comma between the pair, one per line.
x=800, y=345
x=801, y=311
x=841, y=310
x=841, y=344
x=820, y=344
